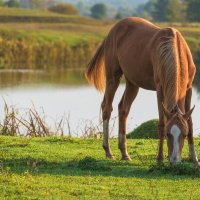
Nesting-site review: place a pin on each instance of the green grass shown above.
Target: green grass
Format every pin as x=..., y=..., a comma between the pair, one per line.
x=66, y=168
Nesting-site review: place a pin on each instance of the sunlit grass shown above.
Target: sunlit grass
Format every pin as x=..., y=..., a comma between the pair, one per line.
x=68, y=168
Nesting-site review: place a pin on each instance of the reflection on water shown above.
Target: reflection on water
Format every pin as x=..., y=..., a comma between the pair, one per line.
x=66, y=92
x=13, y=78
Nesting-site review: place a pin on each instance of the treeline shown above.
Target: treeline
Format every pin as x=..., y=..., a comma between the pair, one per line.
x=170, y=10
x=156, y=10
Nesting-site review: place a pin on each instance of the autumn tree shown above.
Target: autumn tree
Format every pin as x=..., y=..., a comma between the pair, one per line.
x=63, y=8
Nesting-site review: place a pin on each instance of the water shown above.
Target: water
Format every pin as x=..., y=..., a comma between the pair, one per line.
x=57, y=95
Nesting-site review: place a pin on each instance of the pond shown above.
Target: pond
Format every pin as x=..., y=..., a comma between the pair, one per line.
x=55, y=94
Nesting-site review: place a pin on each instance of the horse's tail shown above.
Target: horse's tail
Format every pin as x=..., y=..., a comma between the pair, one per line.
x=95, y=72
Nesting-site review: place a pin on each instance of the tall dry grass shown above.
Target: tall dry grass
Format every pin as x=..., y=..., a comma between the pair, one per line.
x=22, y=54
x=34, y=124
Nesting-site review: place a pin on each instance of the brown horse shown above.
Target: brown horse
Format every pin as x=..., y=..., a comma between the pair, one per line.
x=154, y=59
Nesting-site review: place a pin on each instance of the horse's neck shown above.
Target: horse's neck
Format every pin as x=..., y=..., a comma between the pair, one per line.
x=171, y=68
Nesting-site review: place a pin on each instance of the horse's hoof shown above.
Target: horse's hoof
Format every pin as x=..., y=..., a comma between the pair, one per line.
x=160, y=160
x=197, y=163
x=126, y=158
x=111, y=157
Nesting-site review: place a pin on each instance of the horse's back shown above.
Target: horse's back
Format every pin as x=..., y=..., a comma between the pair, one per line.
x=130, y=42
x=131, y=45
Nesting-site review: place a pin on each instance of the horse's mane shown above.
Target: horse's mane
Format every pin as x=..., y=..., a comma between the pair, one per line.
x=168, y=65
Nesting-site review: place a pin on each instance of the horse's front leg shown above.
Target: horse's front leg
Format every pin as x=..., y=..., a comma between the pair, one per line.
x=160, y=156
x=192, y=153
x=124, y=106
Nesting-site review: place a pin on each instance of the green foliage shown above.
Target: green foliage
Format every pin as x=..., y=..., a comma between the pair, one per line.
x=13, y=3
x=62, y=8
x=145, y=130
x=175, y=11
x=99, y=11
x=170, y=10
x=193, y=10
x=160, y=10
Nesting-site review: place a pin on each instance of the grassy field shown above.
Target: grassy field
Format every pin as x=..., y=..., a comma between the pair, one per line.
x=53, y=39
x=66, y=168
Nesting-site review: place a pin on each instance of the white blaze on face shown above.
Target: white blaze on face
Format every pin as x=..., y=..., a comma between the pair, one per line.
x=175, y=132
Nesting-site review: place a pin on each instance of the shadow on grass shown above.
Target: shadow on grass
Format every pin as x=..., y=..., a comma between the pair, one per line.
x=92, y=167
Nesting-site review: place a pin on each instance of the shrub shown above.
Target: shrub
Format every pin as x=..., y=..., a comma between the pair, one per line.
x=63, y=8
x=145, y=130
x=12, y=4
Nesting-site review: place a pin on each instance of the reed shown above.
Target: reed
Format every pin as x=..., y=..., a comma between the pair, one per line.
x=32, y=123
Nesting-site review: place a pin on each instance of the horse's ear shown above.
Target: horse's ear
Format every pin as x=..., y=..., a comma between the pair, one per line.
x=166, y=112
x=188, y=114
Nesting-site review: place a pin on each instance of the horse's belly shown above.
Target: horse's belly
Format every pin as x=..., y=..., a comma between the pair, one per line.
x=141, y=76
x=147, y=84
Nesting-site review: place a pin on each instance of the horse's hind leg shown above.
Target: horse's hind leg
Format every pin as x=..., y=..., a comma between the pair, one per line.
x=111, y=88
x=112, y=83
x=124, y=107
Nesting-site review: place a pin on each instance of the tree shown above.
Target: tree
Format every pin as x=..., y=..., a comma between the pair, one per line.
x=193, y=10
x=64, y=8
x=160, y=10
x=98, y=11
x=175, y=11
x=119, y=15
x=12, y=3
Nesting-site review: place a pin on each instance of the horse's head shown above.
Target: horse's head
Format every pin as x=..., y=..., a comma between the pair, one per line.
x=176, y=130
